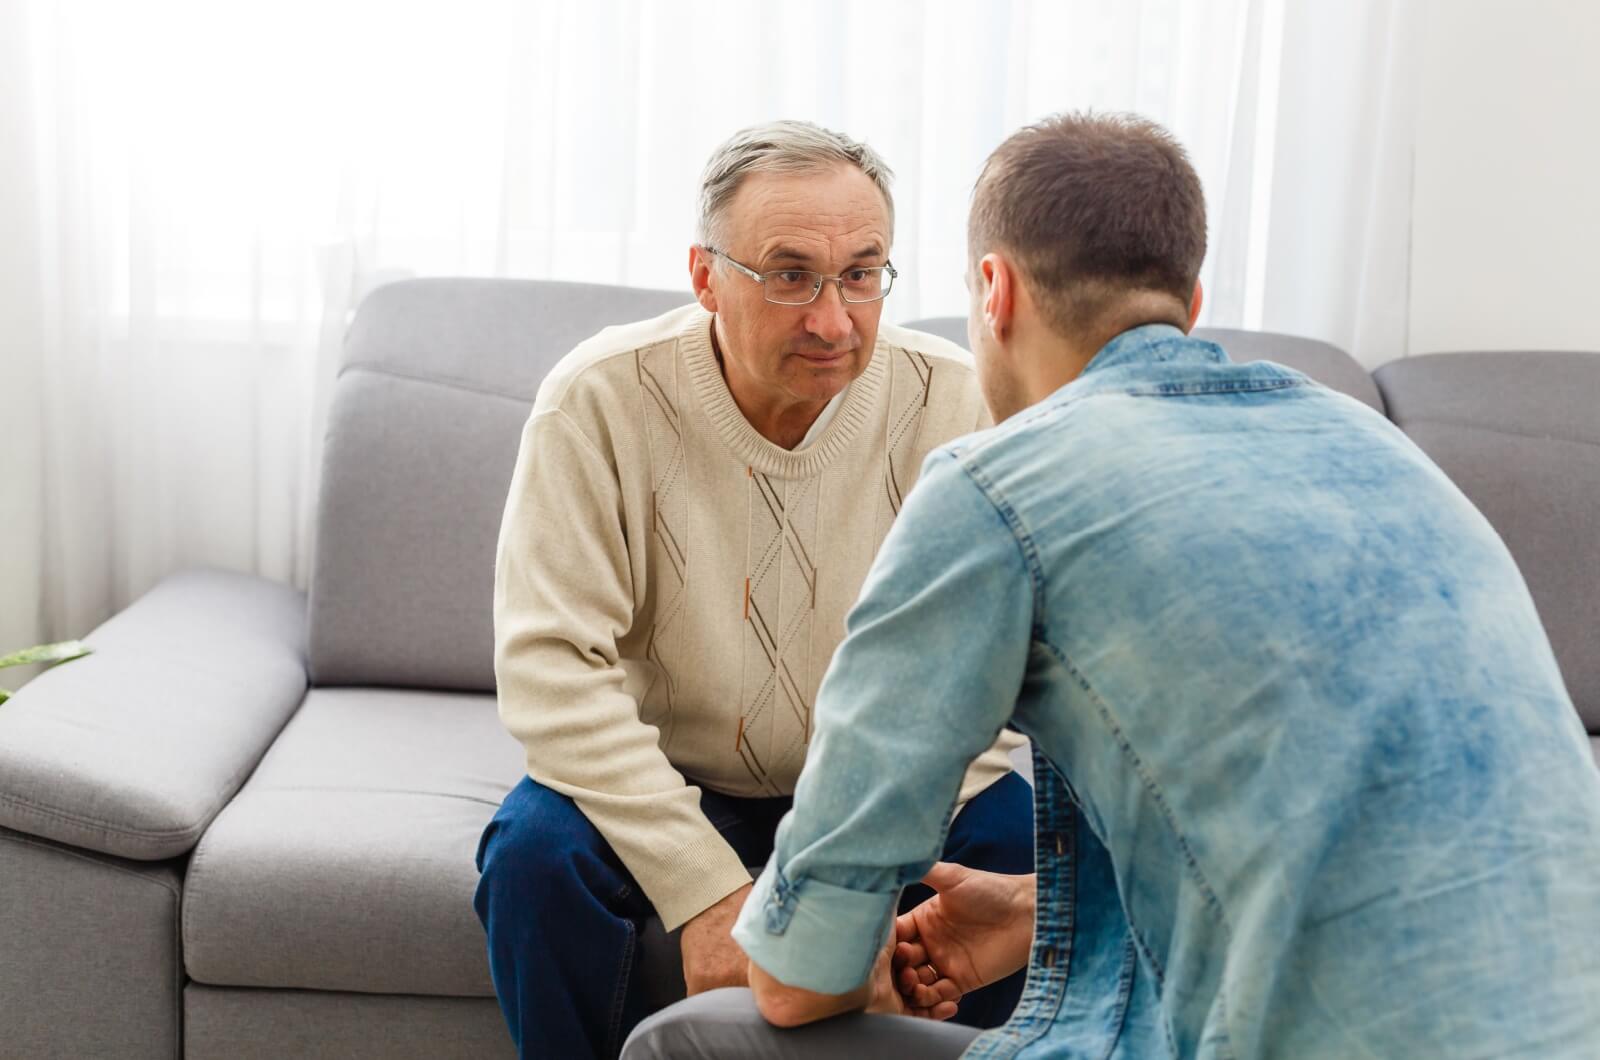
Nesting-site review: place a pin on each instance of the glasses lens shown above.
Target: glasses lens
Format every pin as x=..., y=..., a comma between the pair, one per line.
x=791, y=286
x=865, y=285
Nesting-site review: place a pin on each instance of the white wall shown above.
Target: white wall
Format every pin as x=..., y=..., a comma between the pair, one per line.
x=21, y=474
x=1506, y=207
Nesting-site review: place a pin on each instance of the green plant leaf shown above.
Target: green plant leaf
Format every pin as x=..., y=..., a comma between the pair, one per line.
x=4, y=695
x=61, y=652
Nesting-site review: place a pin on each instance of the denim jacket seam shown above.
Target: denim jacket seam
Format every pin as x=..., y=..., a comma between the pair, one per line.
x=1019, y=536
x=1243, y=386
x=1225, y=1041
x=1156, y=968
x=1130, y=970
x=1146, y=779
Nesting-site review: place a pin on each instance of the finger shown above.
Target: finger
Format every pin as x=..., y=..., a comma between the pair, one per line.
x=942, y=1011
x=910, y=953
x=932, y=996
x=926, y=975
x=905, y=927
x=945, y=874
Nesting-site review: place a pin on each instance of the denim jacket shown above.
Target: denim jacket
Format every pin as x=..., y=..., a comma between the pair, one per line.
x=1308, y=782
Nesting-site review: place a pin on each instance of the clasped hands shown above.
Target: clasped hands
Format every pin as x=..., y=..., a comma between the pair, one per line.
x=976, y=930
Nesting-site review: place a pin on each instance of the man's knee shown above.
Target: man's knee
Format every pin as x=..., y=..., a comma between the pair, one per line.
x=726, y=1025
x=717, y=1023
x=539, y=845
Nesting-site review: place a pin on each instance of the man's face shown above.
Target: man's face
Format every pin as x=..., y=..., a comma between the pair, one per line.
x=827, y=221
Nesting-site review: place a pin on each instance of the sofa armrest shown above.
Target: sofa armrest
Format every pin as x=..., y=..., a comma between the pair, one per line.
x=133, y=749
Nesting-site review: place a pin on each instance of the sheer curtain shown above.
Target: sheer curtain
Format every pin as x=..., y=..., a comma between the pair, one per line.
x=201, y=194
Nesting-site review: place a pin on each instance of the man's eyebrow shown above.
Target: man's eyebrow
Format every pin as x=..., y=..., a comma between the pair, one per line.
x=790, y=255
x=787, y=254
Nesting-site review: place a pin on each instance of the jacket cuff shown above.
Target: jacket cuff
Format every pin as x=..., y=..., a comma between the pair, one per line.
x=813, y=935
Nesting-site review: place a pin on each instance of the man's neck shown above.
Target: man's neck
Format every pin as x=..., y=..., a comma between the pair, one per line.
x=1070, y=357
x=784, y=424
x=785, y=427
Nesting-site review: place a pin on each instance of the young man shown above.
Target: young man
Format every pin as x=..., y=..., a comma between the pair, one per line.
x=1308, y=781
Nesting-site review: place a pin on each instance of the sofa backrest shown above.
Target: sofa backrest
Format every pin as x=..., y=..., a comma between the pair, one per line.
x=437, y=379
x=1519, y=433
x=1327, y=364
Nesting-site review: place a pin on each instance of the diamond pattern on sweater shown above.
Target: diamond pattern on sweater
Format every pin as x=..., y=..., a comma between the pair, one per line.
x=779, y=605
x=908, y=399
x=669, y=524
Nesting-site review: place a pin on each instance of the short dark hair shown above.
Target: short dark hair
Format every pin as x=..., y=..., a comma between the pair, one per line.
x=1093, y=207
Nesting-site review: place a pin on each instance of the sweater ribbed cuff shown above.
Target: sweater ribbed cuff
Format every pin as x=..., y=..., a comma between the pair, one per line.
x=694, y=878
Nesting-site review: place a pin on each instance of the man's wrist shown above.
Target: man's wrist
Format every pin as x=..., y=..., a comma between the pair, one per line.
x=1025, y=896
x=1025, y=903
x=727, y=907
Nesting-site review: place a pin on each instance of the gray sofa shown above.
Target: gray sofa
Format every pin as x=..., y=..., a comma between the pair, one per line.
x=245, y=826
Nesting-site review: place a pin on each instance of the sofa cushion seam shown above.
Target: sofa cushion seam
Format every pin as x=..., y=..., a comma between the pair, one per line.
x=191, y=832
x=1439, y=421
x=452, y=384
x=23, y=839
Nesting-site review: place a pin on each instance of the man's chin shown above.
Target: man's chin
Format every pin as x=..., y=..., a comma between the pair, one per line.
x=827, y=383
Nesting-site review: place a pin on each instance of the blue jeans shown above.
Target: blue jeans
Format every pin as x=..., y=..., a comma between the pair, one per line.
x=563, y=914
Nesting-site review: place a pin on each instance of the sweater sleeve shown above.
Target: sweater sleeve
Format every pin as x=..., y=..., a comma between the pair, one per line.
x=563, y=597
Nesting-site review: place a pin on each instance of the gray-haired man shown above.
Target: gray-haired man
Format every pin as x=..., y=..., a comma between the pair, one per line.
x=695, y=506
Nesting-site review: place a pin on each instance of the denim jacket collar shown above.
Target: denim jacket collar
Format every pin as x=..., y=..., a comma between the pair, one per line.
x=1154, y=343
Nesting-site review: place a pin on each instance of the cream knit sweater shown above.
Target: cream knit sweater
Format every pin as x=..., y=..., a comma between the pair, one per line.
x=670, y=585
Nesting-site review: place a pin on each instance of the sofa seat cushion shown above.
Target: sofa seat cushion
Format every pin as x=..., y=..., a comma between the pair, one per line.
x=346, y=862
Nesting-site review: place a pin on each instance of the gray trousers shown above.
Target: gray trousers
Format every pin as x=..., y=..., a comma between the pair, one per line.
x=725, y=1025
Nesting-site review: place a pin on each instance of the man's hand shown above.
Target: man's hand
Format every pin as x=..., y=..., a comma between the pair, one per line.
x=938, y=998
x=977, y=930
x=711, y=958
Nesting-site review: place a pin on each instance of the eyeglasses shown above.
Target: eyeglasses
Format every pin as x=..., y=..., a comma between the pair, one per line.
x=801, y=286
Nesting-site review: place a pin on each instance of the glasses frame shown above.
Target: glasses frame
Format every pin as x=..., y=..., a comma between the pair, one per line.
x=816, y=288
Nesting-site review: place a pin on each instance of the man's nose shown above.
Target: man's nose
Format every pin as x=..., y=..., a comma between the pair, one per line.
x=829, y=319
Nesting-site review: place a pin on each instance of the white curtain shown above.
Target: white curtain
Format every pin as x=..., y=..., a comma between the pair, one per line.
x=201, y=193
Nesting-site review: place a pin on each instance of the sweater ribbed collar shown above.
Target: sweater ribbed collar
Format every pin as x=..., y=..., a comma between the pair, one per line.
x=746, y=443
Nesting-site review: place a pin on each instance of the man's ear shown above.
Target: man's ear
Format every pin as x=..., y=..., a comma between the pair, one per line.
x=700, y=278
x=1194, y=307
x=999, y=281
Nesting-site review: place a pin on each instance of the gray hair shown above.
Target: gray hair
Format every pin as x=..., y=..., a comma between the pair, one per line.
x=780, y=147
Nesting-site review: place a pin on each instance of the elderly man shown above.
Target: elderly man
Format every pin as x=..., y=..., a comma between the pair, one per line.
x=1309, y=783
x=696, y=502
